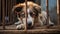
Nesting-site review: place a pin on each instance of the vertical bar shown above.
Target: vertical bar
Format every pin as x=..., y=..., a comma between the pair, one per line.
x=58, y=11
x=0, y=12
x=0, y=7
x=12, y=7
x=26, y=15
x=47, y=21
x=9, y=10
x=3, y=13
x=14, y=2
x=6, y=7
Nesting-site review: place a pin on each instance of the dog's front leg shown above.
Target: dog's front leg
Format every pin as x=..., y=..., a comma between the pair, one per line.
x=40, y=19
x=50, y=22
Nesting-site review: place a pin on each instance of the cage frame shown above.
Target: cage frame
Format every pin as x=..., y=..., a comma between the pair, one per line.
x=3, y=8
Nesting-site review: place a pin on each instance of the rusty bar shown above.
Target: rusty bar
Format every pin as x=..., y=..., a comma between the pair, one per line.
x=58, y=11
x=0, y=8
x=26, y=15
x=47, y=10
x=9, y=10
x=6, y=8
x=0, y=13
x=10, y=16
x=13, y=2
x=3, y=13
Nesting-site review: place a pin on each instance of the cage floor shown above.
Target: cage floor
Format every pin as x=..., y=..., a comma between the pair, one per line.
x=34, y=31
x=13, y=27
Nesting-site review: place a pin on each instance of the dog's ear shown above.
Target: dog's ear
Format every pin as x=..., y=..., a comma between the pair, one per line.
x=37, y=8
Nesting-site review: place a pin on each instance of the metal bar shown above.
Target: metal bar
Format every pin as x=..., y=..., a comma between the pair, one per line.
x=6, y=7
x=0, y=8
x=13, y=2
x=58, y=11
x=3, y=13
x=9, y=9
x=47, y=21
x=26, y=15
x=12, y=6
x=0, y=12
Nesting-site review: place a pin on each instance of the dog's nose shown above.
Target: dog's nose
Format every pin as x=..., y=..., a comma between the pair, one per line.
x=29, y=23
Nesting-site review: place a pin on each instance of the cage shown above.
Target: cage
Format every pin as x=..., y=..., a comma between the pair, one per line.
x=10, y=17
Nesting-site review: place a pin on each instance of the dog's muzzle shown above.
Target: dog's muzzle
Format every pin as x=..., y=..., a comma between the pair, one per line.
x=30, y=21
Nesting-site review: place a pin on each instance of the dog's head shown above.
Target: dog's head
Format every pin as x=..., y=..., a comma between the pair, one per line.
x=32, y=12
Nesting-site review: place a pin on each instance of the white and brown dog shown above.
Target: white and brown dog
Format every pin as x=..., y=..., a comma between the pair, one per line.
x=32, y=9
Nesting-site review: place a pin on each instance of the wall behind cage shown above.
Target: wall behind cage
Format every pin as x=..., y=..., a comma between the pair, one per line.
x=6, y=8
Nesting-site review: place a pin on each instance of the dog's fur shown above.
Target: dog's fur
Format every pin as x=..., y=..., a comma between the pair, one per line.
x=33, y=11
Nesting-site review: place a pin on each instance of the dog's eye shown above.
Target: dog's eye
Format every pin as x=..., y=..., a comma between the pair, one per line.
x=18, y=9
x=32, y=14
x=23, y=15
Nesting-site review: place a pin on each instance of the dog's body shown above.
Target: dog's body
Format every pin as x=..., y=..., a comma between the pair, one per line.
x=32, y=10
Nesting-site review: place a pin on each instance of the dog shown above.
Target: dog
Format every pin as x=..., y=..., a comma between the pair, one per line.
x=33, y=10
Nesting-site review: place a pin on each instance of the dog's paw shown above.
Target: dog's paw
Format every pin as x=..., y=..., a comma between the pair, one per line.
x=20, y=27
